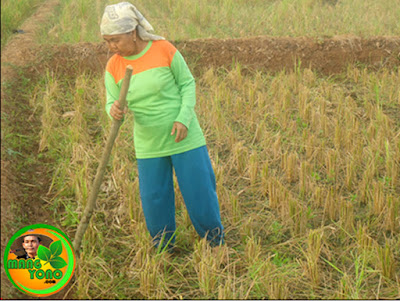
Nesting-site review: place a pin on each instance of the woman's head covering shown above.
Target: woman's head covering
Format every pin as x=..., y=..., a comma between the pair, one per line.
x=123, y=18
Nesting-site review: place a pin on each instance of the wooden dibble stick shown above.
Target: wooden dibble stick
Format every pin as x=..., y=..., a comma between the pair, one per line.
x=91, y=203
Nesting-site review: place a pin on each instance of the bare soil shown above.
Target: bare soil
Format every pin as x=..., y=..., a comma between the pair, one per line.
x=269, y=54
x=327, y=55
x=23, y=59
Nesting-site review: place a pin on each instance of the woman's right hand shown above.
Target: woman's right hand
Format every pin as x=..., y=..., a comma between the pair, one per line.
x=116, y=111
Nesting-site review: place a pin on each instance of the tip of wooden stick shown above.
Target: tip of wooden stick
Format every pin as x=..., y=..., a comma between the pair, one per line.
x=129, y=67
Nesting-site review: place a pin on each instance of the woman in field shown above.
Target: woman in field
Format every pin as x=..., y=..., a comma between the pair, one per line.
x=167, y=133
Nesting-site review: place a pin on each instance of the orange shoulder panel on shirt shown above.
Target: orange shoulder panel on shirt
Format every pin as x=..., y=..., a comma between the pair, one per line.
x=159, y=55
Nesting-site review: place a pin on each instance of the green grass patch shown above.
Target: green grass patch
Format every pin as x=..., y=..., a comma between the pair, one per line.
x=13, y=14
x=79, y=20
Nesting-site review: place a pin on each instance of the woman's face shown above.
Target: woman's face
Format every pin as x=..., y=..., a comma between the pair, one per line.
x=121, y=44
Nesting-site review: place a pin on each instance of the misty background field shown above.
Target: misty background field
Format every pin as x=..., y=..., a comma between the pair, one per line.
x=306, y=164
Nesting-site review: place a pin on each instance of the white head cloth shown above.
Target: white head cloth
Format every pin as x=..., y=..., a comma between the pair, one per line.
x=123, y=18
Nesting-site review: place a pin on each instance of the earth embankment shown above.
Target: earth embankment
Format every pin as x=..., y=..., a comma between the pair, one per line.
x=270, y=54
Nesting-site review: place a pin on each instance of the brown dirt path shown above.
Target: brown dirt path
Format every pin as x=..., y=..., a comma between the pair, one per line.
x=16, y=52
x=21, y=204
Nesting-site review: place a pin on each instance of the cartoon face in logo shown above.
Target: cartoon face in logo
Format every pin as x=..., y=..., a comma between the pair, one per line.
x=39, y=260
x=31, y=244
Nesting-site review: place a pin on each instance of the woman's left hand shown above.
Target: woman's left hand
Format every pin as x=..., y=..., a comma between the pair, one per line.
x=180, y=130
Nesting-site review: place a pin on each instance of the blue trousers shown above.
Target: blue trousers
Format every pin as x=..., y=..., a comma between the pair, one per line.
x=196, y=181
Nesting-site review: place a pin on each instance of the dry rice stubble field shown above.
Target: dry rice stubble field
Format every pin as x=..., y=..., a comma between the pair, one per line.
x=307, y=169
x=307, y=175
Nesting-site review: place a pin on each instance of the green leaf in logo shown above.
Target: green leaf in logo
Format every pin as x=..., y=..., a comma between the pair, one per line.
x=56, y=248
x=44, y=253
x=58, y=263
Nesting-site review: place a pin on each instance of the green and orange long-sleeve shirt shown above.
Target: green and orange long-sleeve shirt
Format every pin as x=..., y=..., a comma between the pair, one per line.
x=162, y=90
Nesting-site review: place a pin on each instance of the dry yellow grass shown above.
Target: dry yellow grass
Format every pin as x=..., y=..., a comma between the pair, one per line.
x=306, y=170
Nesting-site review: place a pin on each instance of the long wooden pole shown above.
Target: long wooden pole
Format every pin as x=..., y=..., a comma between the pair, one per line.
x=91, y=203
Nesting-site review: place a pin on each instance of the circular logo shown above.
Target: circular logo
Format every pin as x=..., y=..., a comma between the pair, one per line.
x=39, y=260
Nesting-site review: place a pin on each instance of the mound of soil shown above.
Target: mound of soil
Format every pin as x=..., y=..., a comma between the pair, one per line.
x=276, y=53
x=271, y=54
